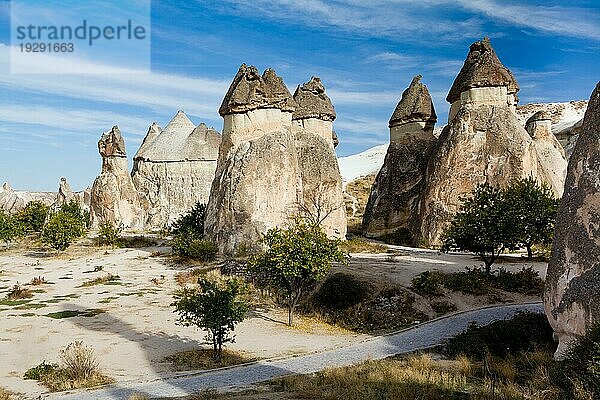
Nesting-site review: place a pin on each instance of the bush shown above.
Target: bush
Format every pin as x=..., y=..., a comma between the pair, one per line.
x=340, y=290
x=110, y=232
x=473, y=281
x=64, y=226
x=79, y=361
x=526, y=281
x=18, y=292
x=191, y=222
x=10, y=228
x=33, y=216
x=582, y=361
x=524, y=332
x=195, y=248
x=428, y=283
x=39, y=372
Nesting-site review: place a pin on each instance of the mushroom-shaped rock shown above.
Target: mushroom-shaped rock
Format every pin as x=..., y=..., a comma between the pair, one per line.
x=415, y=105
x=249, y=91
x=482, y=68
x=571, y=295
x=393, y=202
x=313, y=102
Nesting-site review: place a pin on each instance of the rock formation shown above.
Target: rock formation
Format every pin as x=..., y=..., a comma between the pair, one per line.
x=113, y=196
x=255, y=185
x=65, y=195
x=393, y=205
x=13, y=201
x=571, y=297
x=483, y=141
x=174, y=168
x=259, y=182
x=550, y=152
x=321, y=182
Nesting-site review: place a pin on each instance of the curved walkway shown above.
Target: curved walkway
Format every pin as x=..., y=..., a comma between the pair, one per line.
x=423, y=336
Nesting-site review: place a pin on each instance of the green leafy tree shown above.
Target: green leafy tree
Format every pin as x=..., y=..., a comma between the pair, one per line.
x=533, y=210
x=10, y=227
x=482, y=226
x=74, y=209
x=33, y=216
x=295, y=258
x=191, y=222
x=109, y=232
x=213, y=306
x=64, y=227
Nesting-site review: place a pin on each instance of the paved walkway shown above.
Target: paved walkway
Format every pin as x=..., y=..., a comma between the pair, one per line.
x=420, y=337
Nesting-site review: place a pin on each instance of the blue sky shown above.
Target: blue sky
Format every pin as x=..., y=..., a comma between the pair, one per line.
x=366, y=53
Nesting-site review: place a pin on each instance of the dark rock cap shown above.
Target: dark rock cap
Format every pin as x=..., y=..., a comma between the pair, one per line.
x=111, y=144
x=539, y=116
x=250, y=91
x=313, y=102
x=482, y=68
x=415, y=105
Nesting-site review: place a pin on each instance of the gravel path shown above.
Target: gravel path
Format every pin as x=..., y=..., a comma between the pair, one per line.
x=423, y=336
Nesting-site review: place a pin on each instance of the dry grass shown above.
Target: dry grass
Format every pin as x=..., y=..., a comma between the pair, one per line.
x=358, y=245
x=38, y=280
x=19, y=292
x=199, y=359
x=7, y=395
x=137, y=396
x=315, y=324
x=101, y=280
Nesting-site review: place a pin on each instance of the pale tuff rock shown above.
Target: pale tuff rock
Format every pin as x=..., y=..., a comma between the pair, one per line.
x=114, y=197
x=174, y=169
x=571, y=297
x=321, y=182
x=483, y=142
x=550, y=152
x=394, y=200
x=13, y=201
x=260, y=179
x=65, y=195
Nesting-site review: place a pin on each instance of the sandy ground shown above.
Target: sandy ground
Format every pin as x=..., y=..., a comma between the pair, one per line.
x=136, y=327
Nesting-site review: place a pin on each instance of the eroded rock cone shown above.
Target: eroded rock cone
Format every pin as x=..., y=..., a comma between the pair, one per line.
x=572, y=290
x=174, y=169
x=483, y=142
x=256, y=185
x=321, y=183
x=393, y=205
x=113, y=196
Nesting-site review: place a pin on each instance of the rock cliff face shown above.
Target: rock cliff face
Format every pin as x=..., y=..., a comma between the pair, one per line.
x=113, y=196
x=256, y=185
x=483, y=141
x=393, y=205
x=321, y=182
x=571, y=295
x=65, y=195
x=270, y=168
x=174, y=168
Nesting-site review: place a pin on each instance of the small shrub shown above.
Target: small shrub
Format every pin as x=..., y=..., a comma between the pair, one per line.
x=192, y=222
x=473, y=281
x=582, y=362
x=79, y=361
x=110, y=232
x=526, y=281
x=38, y=280
x=340, y=290
x=428, y=283
x=194, y=248
x=443, y=307
x=525, y=331
x=39, y=372
x=19, y=292
x=101, y=280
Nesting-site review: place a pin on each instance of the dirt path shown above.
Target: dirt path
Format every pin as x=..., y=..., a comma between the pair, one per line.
x=423, y=336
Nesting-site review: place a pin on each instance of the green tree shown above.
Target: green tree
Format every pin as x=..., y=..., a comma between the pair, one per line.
x=109, y=232
x=62, y=228
x=482, y=226
x=10, y=227
x=213, y=306
x=533, y=208
x=191, y=222
x=74, y=209
x=295, y=258
x=33, y=216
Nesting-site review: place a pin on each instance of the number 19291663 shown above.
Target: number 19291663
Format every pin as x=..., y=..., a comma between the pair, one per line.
x=47, y=47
